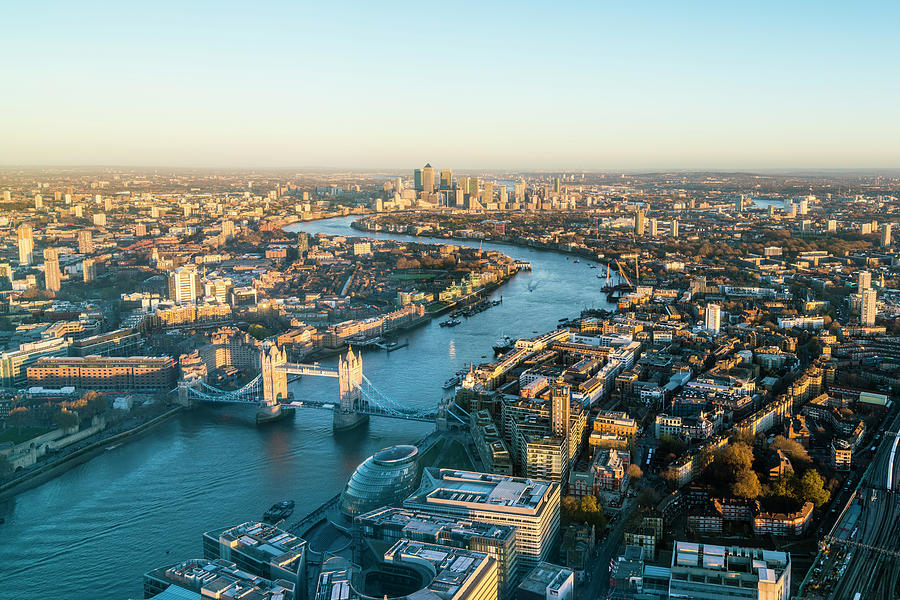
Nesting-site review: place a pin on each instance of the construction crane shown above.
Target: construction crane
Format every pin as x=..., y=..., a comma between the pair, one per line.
x=622, y=273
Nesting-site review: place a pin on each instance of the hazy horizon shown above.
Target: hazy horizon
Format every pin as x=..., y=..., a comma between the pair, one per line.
x=654, y=87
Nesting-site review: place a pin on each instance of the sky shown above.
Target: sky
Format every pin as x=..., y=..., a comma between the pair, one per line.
x=517, y=85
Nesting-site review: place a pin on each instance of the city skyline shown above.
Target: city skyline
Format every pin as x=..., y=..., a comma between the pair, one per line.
x=593, y=88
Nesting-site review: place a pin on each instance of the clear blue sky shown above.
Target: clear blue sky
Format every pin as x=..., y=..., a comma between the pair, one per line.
x=554, y=85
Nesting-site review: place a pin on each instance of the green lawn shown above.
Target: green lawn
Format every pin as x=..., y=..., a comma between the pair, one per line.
x=17, y=436
x=456, y=458
x=429, y=456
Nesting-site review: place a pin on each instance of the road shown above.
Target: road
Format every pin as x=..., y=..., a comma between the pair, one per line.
x=598, y=584
x=868, y=558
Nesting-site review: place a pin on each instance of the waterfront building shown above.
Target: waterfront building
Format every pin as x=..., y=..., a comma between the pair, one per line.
x=530, y=505
x=386, y=526
x=708, y=572
x=26, y=245
x=261, y=549
x=52, y=276
x=105, y=374
x=201, y=578
x=383, y=479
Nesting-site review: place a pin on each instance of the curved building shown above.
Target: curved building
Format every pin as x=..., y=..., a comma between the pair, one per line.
x=384, y=479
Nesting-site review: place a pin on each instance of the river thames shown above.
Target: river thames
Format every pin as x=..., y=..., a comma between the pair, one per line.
x=94, y=530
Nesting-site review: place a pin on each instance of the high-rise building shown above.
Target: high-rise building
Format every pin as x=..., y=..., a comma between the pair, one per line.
x=864, y=281
x=561, y=406
x=228, y=229
x=653, y=227
x=886, y=234
x=38, y=202
x=446, y=179
x=868, y=308
x=557, y=185
x=26, y=245
x=831, y=226
x=674, y=228
x=100, y=219
x=52, y=276
x=140, y=230
x=713, y=317
x=417, y=180
x=530, y=505
x=89, y=270
x=7, y=197
x=85, y=242
x=428, y=179
x=639, y=222
x=472, y=188
x=184, y=285
x=707, y=572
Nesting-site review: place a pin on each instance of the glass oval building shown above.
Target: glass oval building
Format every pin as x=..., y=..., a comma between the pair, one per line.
x=384, y=479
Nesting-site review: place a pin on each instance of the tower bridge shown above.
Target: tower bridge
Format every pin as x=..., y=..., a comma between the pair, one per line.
x=358, y=399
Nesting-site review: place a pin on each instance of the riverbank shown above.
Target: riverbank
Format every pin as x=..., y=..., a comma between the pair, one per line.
x=61, y=465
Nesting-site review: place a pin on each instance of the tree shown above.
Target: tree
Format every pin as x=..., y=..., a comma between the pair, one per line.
x=18, y=417
x=634, y=472
x=811, y=488
x=746, y=485
x=65, y=419
x=793, y=449
x=259, y=332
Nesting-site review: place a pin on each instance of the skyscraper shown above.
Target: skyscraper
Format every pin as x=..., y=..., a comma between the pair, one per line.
x=674, y=228
x=653, y=228
x=886, y=234
x=85, y=242
x=89, y=270
x=446, y=179
x=713, y=317
x=864, y=282
x=26, y=245
x=428, y=179
x=417, y=180
x=52, y=277
x=868, y=309
x=557, y=185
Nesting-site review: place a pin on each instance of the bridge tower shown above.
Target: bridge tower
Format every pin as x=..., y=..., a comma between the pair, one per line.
x=274, y=382
x=350, y=378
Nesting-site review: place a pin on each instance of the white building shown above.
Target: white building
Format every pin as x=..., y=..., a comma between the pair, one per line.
x=184, y=285
x=868, y=309
x=713, y=317
x=708, y=572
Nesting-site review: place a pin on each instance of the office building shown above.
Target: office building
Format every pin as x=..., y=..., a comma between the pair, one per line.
x=85, y=242
x=557, y=185
x=530, y=505
x=547, y=582
x=864, y=281
x=52, y=276
x=383, y=479
x=708, y=572
x=428, y=179
x=104, y=374
x=14, y=364
x=184, y=285
x=617, y=423
x=201, y=578
x=412, y=570
x=868, y=308
x=261, y=549
x=376, y=531
x=26, y=245
x=446, y=179
x=713, y=317
x=417, y=180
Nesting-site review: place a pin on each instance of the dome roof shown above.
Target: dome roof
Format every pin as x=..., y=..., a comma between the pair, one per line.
x=385, y=479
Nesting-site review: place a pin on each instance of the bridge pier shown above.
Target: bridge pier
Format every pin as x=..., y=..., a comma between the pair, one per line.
x=350, y=379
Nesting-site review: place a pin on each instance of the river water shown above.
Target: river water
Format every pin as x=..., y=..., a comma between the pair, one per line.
x=94, y=530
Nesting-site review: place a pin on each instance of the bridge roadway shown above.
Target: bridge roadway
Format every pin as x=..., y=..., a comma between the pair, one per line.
x=873, y=567
x=301, y=369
